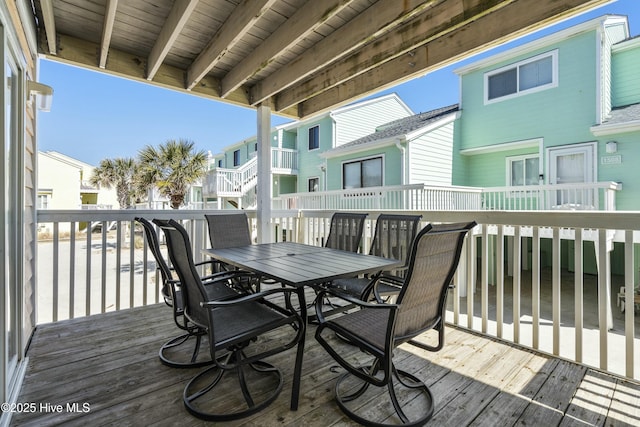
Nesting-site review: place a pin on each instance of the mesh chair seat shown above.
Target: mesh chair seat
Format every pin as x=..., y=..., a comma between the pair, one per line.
x=356, y=286
x=234, y=325
x=377, y=329
x=366, y=326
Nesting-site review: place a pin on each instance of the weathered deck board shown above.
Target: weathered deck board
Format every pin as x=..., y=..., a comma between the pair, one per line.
x=111, y=362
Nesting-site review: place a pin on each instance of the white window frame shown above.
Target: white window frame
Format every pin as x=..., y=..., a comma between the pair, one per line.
x=361, y=159
x=510, y=159
x=238, y=159
x=46, y=196
x=554, y=77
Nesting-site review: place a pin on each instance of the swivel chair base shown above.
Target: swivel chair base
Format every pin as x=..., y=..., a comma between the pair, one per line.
x=204, y=401
x=401, y=376
x=172, y=355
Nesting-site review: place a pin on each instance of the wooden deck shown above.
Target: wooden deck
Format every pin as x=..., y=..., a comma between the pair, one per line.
x=109, y=362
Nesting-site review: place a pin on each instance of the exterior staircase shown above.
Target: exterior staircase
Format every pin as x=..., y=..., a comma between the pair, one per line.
x=237, y=187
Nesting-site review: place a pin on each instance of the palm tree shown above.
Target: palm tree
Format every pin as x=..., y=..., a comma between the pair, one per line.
x=119, y=173
x=172, y=167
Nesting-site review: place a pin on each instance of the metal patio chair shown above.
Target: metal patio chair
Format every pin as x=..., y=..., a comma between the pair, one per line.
x=232, y=327
x=231, y=231
x=392, y=238
x=228, y=230
x=345, y=231
x=378, y=329
x=171, y=352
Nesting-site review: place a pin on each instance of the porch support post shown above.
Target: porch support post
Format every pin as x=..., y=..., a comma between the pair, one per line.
x=263, y=193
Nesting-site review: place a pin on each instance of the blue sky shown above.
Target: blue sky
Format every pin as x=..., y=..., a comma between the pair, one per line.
x=96, y=116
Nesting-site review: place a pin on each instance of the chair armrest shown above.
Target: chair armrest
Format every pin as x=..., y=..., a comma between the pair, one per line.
x=227, y=275
x=250, y=297
x=210, y=261
x=352, y=300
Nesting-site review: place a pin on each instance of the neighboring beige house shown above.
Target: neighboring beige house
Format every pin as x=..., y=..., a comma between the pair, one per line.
x=63, y=183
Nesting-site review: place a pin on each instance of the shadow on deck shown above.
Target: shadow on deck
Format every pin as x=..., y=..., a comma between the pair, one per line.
x=108, y=366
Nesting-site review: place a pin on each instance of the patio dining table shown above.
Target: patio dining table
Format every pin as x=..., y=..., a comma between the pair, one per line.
x=300, y=265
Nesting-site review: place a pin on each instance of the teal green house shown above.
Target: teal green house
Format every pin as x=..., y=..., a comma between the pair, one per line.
x=560, y=113
x=297, y=152
x=551, y=124
x=561, y=110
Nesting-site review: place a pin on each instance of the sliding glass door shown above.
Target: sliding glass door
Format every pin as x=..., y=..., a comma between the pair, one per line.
x=10, y=216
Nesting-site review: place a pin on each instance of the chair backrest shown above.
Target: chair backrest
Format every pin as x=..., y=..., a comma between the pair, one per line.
x=394, y=236
x=181, y=256
x=432, y=263
x=154, y=246
x=346, y=231
x=228, y=230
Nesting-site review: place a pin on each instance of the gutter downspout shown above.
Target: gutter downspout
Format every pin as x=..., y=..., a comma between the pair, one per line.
x=403, y=166
x=403, y=163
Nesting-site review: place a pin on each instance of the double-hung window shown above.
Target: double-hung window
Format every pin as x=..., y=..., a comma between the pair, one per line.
x=314, y=138
x=533, y=74
x=236, y=158
x=362, y=173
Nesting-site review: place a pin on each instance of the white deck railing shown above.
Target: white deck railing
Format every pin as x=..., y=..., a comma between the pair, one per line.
x=411, y=197
x=586, y=196
x=541, y=298
x=582, y=196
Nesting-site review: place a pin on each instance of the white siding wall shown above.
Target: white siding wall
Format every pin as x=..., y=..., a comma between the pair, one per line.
x=63, y=179
x=430, y=157
x=355, y=123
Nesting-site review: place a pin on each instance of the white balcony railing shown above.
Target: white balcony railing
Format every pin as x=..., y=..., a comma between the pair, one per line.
x=412, y=197
x=221, y=182
x=582, y=196
x=521, y=278
x=284, y=160
x=586, y=196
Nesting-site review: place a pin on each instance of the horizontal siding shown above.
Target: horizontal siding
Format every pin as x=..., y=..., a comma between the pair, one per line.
x=309, y=162
x=626, y=77
x=358, y=122
x=543, y=114
x=625, y=172
x=490, y=170
x=431, y=157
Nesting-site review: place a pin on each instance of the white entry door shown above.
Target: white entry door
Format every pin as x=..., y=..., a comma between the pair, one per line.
x=572, y=165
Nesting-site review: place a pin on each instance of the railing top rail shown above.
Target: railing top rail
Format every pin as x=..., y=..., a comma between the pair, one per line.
x=569, y=186
x=610, y=220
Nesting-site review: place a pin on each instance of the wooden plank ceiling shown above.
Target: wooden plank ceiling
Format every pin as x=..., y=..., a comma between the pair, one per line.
x=300, y=57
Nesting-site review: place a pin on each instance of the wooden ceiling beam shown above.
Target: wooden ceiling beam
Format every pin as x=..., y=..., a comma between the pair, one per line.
x=82, y=53
x=235, y=27
x=177, y=19
x=107, y=31
x=297, y=27
x=505, y=24
x=371, y=23
x=435, y=22
x=49, y=25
